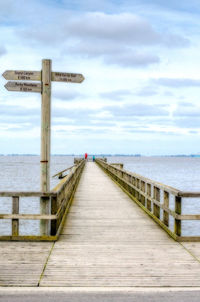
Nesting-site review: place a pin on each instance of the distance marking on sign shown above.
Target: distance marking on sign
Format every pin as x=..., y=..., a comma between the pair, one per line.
x=23, y=86
x=22, y=75
x=67, y=77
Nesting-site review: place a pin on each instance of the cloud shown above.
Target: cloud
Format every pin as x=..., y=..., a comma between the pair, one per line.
x=127, y=28
x=179, y=6
x=124, y=93
x=132, y=59
x=124, y=39
x=187, y=122
x=127, y=111
x=5, y=7
x=18, y=111
x=20, y=117
x=78, y=114
x=177, y=82
x=116, y=94
x=188, y=110
x=112, y=53
x=3, y=50
x=67, y=95
x=146, y=91
x=121, y=28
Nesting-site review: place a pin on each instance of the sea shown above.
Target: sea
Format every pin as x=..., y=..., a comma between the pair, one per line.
x=22, y=173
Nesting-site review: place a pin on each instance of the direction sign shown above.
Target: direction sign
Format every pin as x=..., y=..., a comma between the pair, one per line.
x=23, y=86
x=16, y=82
x=67, y=77
x=22, y=75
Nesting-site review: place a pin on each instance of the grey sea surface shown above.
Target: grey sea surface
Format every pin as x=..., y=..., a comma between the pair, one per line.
x=22, y=173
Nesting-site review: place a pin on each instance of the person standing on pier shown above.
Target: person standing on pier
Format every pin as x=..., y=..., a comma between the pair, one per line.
x=86, y=156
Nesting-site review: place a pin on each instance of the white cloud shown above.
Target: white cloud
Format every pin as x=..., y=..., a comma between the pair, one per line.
x=117, y=38
x=119, y=47
x=177, y=82
x=132, y=59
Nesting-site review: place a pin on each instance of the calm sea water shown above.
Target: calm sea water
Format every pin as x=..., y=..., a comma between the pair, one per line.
x=21, y=173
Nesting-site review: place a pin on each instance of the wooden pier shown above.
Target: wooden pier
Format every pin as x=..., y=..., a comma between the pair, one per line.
x=106, y=241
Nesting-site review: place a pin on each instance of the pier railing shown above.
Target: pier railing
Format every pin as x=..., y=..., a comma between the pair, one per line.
x=163, y=203
x=60, y=199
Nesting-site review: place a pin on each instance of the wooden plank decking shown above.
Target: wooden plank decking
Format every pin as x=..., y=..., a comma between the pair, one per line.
x=107, y=240
x=22, y=263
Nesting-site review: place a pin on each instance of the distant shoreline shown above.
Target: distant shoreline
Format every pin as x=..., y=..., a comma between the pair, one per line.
x=111, y=155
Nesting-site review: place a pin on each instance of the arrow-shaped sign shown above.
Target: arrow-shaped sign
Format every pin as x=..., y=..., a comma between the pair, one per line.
x=67, y=77
x=22, y=75
x=23, y=86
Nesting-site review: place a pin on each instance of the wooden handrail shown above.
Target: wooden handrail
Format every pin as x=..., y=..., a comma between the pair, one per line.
x=25, y=194
x=61, y=172
x=160, y=185
x=59, y=198
x=147, y=194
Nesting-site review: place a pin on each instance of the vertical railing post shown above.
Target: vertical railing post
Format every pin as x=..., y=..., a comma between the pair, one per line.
x=139, y=188
x=177, y=222
x=149, y=195
x=54, y=208
x=156, y=208
x=45, y=143
x=143, y=187
x=137, y=184
x=133, y=182
x=166, y=204
x=15, y=210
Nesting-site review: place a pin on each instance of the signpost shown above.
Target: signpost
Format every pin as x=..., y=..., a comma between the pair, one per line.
x=44, y=78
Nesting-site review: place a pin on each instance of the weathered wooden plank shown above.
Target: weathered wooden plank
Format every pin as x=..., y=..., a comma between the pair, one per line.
x=61, y=172
x=108, y=241
x=22, y=263
x=28, y=216
x=189, y=194
x=26, y=194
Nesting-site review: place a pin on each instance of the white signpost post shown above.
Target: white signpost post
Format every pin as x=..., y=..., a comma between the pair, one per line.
x=44, y=78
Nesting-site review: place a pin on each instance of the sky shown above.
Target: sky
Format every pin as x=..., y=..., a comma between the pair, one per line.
x=141, y=63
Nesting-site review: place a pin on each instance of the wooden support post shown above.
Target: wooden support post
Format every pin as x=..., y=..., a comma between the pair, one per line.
x=45, y=143
x=143, y=187
x=54, y=208
x=166, y=204
x=156, y=208
x=177, y=222
x=15, y=210
x=149, y=195
x=137, y=186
